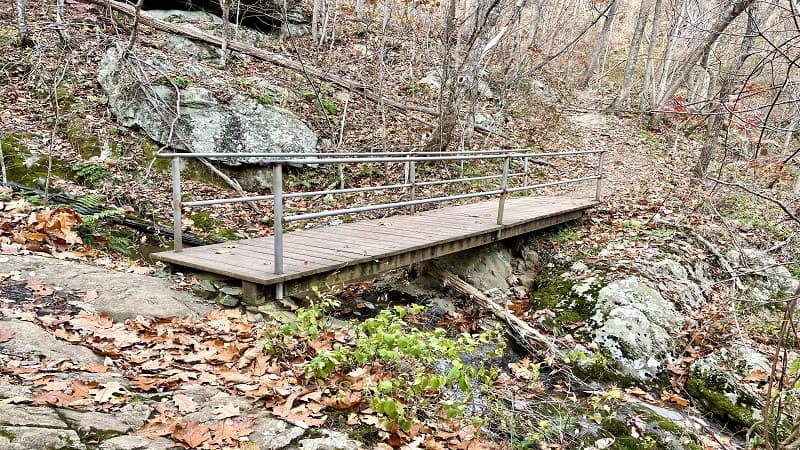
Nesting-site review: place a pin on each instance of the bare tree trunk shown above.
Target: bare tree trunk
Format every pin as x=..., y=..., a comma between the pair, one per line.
x=699, y=53
x=602, y=41
x=648, y=68
x=666, y=61
x=135, y=30
x=315, y=12
x=22, y=22
x=62, y=30
x=226, y=34
x=633, y=55
x=716, y=121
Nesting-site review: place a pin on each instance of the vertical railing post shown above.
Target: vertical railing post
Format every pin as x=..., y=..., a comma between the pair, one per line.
x=412, y=180
x=525, y=171
x=599, y=175
x=277, y=194
x=177, y=235
x=504, y=187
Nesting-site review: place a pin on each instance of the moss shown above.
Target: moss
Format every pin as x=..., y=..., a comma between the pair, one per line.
x=211, y=227
x=23, y=167
x=599, y=366
x=553, y=292
x=709, y=389
x=87, y=145
x=191, y=170
x=7, y=435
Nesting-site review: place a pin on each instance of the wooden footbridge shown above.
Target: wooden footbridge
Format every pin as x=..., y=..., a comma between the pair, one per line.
x=294, y=262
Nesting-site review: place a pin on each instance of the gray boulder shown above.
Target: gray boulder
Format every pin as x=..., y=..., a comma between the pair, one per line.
x=685, y=291
x=212, y=117
x=634, y=323
x=718, y=392
x=769, y=281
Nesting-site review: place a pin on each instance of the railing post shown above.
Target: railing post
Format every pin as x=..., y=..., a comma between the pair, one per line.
x=277, y=192
x=412, y=179
x=504, y=187
x=177, y=234
x=599, y=175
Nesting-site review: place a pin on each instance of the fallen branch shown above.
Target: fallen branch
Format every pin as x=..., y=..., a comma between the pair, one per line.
x=278, y=60
x=525, y=335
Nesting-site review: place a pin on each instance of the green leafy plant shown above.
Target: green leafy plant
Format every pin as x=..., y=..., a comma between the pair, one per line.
x=90, y=173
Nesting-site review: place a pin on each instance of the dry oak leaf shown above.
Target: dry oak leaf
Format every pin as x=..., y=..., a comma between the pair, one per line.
x=52, y=398
x=107, y=393
x=192, y=434
x=184, y=403
x=230, y=430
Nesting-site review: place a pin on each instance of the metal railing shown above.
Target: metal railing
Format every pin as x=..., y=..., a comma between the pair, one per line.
x=410, y=183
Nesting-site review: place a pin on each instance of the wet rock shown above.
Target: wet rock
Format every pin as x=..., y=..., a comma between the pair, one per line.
x=228, y=300
x=634, y=323
x=718, y=392
x=204, y=289
x=333, y=440
x=271, y=433
x=89, y=422
x=133, y=442
x=31, y=339
x=35, y=438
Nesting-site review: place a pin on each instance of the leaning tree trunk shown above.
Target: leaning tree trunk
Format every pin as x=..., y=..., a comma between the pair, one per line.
x=602, y=41
x=716, y=121
x=699, y=53
x=633, y=54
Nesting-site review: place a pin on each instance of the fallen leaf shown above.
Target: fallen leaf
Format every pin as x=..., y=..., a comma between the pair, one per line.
x=184, y=403
x=108, y=392
x=226, y=411
x=670, y=397
x=192, y=434
x=38, y=288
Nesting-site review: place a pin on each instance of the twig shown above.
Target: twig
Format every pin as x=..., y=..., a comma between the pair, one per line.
x=761, y=196
x=737, y=283
x=281, y=61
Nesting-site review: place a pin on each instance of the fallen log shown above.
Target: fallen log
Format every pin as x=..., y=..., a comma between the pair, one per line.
x=278, y=60
x=526, y=336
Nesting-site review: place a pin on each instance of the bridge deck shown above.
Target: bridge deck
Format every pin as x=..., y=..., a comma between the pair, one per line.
x=373, y=246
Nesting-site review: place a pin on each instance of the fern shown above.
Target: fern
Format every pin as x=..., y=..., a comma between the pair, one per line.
x=85, y=204
x=93, y=219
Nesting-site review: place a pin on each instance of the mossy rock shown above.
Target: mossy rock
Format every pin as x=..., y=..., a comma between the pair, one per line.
x=26, y=168
x=86, y=144
x=211, y=227
x=571, y=301
x=718, y=394
x=659, y=432
x=598, y=367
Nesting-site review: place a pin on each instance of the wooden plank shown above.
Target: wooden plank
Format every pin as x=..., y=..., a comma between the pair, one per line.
x=349, y=251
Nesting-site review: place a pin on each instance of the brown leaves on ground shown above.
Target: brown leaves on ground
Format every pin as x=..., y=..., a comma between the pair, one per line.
x=39, y=229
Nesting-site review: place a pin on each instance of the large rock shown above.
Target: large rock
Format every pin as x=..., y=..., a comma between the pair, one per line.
x=120, y=295
x=36, y=438
x=634, y=323
x=718, y=391
x=272, y=433
x=331, y=440
x=770, y=283
x=30, y=339
x=213, y=117
x=133, y=442
x=485, y=268
x=680, y=283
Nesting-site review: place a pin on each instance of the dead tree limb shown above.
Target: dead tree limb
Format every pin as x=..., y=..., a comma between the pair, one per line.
x=278, y=60
x=525, y=335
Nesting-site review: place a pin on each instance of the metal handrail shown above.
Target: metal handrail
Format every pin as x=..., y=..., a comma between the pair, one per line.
x=277, y=160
